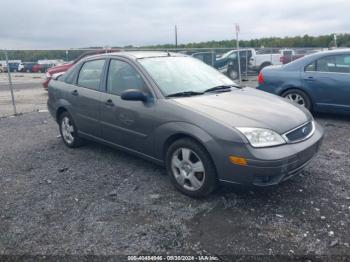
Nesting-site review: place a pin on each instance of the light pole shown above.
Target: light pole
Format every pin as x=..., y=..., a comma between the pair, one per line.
x=238, y=56
x=10, y=83
x=175, y=36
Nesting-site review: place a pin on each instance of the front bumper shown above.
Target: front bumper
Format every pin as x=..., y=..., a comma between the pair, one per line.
x=270, y=166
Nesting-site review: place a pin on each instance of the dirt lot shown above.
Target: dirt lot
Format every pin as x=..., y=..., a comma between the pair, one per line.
x=96, y=200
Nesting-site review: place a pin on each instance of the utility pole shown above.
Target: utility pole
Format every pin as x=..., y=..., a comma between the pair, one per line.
x=175, y=36
x=10, y=83
x=238, y=56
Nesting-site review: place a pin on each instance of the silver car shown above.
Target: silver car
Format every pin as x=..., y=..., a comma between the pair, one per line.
x=181, y=113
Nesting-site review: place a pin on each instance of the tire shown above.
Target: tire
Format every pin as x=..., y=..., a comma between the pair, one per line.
x=263, y=66
x=69, y=137
x=194, y=184
x=298, y=96
x=233, y=74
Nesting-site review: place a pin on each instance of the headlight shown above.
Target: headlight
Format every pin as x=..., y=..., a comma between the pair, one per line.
x=260, y=137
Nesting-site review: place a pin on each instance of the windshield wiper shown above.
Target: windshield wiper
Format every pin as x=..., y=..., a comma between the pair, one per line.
x=219, y=88
x=185, y=93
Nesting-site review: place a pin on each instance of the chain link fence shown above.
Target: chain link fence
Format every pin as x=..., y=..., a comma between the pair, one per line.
x=22, y=72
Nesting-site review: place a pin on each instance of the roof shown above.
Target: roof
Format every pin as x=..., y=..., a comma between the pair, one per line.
x=141, y=54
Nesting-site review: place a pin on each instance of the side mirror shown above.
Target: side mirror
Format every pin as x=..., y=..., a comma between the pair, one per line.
x=133, y=95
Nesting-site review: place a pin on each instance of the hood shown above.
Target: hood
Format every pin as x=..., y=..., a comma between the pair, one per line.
x=60, y=68
x=248, y=107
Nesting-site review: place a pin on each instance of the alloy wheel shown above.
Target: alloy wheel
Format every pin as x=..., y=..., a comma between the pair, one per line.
x=296, y=98
x=188, y=169
x=67, y=130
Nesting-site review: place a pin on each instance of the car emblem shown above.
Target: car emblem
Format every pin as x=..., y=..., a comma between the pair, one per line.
x=304, y=130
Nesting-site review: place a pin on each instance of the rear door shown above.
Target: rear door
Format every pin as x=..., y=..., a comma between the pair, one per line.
x=88, y=96
x=328, y=78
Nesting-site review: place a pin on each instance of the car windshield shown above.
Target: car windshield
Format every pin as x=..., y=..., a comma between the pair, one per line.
x=183, y=74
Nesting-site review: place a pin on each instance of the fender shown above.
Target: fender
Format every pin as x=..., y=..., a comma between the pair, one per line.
x=62, y=103
x=172, y=129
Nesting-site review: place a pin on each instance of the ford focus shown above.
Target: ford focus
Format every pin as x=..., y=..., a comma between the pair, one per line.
x=183, y=114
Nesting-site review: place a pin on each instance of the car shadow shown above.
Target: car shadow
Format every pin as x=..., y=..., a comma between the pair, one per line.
x=332, y=116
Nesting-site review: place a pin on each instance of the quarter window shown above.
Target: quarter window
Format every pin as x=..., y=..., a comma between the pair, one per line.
x=311, y=67
x=122, y=76
x=90, y=74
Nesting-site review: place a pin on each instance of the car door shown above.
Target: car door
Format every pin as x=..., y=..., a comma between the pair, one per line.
x=126, y=123
x=87, y=95
x=328, y=79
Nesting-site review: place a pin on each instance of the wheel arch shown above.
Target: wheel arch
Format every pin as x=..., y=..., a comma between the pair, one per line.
x=168, y=133
x=59, y=111
x=182, y=135
x=284, y=90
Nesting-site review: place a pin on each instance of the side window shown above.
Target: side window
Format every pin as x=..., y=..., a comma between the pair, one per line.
x=233, y=55
x=326, y=64
x=311, y=67
x=69, y=77
x=342, y=64
x=122, y=76
x=90, y=74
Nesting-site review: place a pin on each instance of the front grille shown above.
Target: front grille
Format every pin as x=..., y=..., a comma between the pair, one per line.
x=300, y=133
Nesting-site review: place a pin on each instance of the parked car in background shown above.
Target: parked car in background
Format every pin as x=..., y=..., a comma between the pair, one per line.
x=12, y=66
x=26, y=67
x=319, y=82
x=41, y=68
x=1, y=68
x=181, y=113
x=291, y=56
x=228, y=62
x=59, y=69
x=266, y=57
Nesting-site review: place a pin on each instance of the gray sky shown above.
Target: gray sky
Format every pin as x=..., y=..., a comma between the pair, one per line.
x=82, y=23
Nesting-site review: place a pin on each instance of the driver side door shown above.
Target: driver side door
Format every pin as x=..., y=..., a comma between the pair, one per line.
x=128, y=124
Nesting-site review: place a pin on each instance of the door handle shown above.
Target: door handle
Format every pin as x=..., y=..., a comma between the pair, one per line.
x=310, y=78
x=109, y=102
x=74, y=92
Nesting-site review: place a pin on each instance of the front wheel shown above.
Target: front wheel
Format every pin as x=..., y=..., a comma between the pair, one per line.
x=299, y=97
x=233, y=74
x=190, y=168
x=68, y=131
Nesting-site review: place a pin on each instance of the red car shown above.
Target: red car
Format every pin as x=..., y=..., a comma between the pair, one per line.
x=63, y=68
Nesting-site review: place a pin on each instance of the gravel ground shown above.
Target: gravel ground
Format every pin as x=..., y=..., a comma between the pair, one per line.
x=97, y=200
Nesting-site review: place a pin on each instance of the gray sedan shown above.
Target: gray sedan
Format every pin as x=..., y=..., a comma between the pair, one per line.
x=181, y=113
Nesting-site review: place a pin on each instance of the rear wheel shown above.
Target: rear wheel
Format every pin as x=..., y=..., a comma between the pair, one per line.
x=68, y=131
x=190, y=168
x=264, y=65
x=299, y=97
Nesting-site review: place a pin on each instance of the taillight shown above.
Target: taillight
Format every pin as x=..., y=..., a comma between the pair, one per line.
x=261, y=79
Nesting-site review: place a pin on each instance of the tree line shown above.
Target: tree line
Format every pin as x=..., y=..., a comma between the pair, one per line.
x=306, y=41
